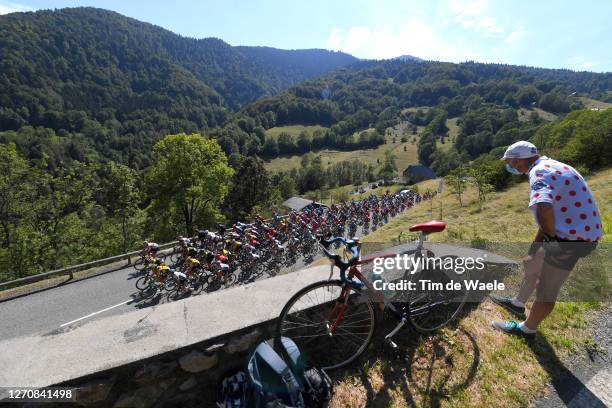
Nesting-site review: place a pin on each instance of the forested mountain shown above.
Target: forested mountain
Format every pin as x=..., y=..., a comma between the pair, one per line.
x=369, y=88
x=290, y=67
x=115, y=84
x=376, y=93
x=91, y=85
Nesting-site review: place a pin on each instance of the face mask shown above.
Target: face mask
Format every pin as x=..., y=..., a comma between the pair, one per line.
x=512, y=170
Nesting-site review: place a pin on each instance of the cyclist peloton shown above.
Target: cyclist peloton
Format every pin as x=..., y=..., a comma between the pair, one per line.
x=569, y=227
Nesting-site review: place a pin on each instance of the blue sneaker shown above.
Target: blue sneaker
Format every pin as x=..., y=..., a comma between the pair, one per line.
x=512, y=327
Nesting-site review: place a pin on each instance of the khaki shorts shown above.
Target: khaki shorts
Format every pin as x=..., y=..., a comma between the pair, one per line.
x=557, y=268
x=571, y=252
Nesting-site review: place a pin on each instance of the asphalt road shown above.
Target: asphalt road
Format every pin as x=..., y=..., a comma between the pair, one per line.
x=84, y=300
x=105, y=295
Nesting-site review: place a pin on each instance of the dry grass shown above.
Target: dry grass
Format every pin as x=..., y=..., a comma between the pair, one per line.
x=590, y=103
x=293, y=130
x=423, y=108
x=467, y=365
x=502, y=218
x=453, y=132
x=367, y=156
x=523, y=114
x=470, y=364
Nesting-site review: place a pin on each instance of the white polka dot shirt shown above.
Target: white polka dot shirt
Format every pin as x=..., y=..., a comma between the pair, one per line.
x=576, y=215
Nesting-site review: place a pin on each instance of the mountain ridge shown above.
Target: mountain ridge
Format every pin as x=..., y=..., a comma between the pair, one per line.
x=91, y=84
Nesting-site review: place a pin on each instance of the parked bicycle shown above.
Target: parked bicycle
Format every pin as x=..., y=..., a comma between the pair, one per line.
x=333, y=321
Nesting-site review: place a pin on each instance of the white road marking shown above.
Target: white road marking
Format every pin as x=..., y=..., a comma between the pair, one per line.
x=95, y=313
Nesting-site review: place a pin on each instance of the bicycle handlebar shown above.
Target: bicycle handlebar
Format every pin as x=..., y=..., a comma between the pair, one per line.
x=350, y=245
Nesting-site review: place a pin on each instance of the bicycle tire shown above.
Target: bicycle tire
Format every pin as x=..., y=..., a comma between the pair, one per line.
x=172, y=294
x=139, y=265
x=443, y=307
x=229, y=279
x=175, y=255
x=199, y=284
x=142, y=283
x=170, y=284
x=329, y=352
x=149, y=291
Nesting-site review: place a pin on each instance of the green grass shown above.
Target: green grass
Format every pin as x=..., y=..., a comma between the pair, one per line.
x=590, y=103
x=367, y=156
x=524, y=117
x=453, y=127
x=423, y=108
x=293, y=130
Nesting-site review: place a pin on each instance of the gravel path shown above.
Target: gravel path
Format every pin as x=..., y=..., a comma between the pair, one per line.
x=586, y=380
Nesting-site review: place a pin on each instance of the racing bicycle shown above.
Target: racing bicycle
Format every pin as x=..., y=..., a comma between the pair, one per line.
x=333, y=321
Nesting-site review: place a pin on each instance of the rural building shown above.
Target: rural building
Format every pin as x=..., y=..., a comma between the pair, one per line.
x=299, y=203
x=417, y=172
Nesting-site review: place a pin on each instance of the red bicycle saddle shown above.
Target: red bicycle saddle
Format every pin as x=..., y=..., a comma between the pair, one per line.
x=429, y=226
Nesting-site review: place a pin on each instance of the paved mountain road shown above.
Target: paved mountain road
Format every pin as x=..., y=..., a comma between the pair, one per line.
x=111, y=293
x=100, y=295
x=50, y=309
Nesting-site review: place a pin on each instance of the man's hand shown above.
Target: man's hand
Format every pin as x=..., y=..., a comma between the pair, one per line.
x=533, y=248
x=551, y=245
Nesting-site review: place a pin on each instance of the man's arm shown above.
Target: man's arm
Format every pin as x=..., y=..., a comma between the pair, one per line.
x=539, y=236
x=546, y=220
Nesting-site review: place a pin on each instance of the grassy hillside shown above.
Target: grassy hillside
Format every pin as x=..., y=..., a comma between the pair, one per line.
x=294, y=130
x=503, y=217
x=590, y=103
x=368, y=156
x=471, y=364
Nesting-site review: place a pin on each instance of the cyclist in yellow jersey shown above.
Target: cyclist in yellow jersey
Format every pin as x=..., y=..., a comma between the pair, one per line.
x=191, y=263
x=160, y=272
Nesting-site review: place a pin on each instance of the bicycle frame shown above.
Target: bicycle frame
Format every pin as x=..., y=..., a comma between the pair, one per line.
x=336, y=314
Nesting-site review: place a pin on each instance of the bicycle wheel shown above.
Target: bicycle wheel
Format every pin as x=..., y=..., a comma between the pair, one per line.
x=175, y=255
x=199, y=284
x=229, y=279
x=329, y=332
x=430, y=307
x=143, y=282
x=139, y=265
x=150, y=291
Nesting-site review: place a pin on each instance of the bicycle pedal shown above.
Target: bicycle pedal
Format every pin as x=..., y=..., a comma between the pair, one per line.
x=391, y=345
x=392, y=348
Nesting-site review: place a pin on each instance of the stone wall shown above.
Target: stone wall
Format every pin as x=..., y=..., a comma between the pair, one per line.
x=181, y=378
